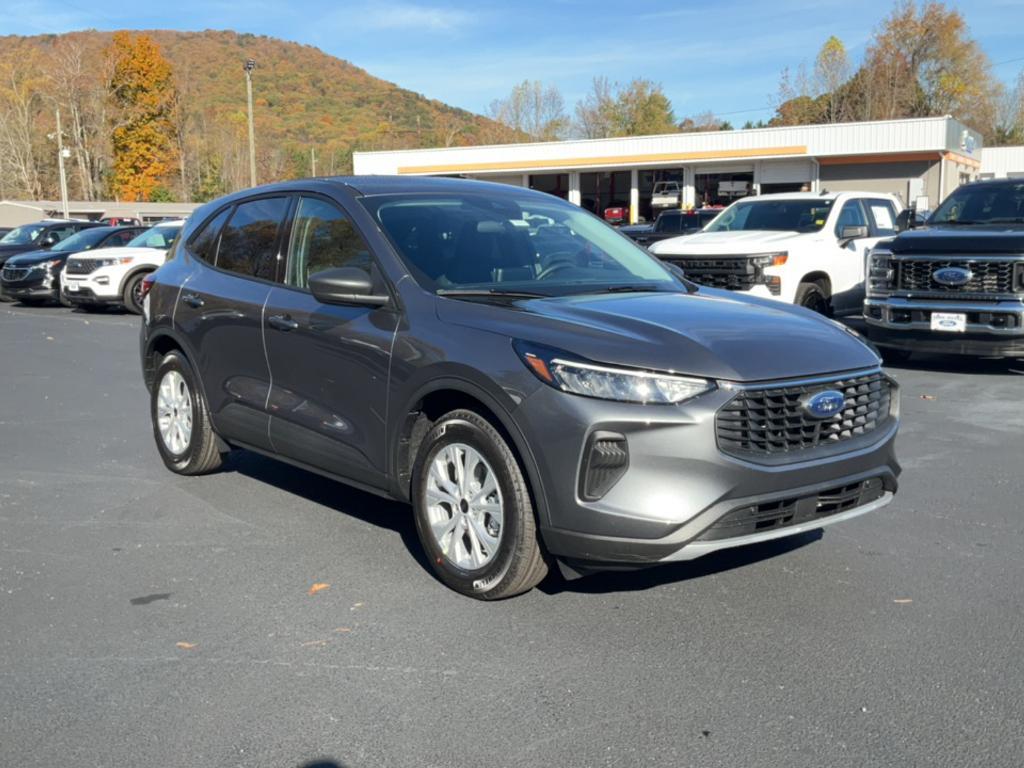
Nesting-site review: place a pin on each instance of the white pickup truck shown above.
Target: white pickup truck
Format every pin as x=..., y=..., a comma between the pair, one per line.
x=802, y=248
x=666, y=194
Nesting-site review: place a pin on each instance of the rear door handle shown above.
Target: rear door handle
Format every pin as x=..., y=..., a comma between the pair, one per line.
x=282, y=322
x=193, y=300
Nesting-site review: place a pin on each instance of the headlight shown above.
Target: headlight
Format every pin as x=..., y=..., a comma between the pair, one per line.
x=881, y=272
x=587, y=379
x=112, y=262
x=46, y=264
x=775, y=259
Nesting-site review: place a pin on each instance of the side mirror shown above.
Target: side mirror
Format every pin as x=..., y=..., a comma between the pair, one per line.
x=345, y=285
x=848, y=234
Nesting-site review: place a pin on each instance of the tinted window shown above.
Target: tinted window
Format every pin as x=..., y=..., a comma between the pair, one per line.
x=22, y=235
x=794, y=215
x=323, y=238
x=883, y=213
x=248, y=244
x=982, y=204
x=81, y=241
x=852, y=215
x=204, y=243
x=62, y=232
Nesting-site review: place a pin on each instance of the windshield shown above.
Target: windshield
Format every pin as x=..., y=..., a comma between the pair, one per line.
x=682, y=221
x=982, y=204
x=504, y=244
x=82, y=241
x=793, y=215
x=157, y=237
x=22, y=235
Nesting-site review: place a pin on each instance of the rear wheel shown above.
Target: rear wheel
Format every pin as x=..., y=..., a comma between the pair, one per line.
x=814, y=296
x=132, y=295
x=473, y=510
x=181, y=419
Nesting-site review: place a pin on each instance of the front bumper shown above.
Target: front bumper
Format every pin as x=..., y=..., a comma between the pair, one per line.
x=993, y=328
x=98, y=287
x=36, y=286
x=680, y=487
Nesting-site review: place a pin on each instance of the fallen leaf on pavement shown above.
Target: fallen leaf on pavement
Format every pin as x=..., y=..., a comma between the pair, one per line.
x=902, y=600
x=185, y=646
x=356, y=606
x=927, y=397
x=49, y=338
x=313, y=643
x=343, y=629
x=318, y=587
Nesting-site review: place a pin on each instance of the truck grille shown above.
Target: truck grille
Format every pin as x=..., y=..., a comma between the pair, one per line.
x=987, y=277
x=80, y=266
x=13, y=274
x=769, y=422
x=732, y=273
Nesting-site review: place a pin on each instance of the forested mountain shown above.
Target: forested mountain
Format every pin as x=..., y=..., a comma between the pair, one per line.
x=304, y=99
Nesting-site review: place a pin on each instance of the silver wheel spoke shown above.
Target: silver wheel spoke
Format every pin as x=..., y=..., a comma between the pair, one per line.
x=482, y=537
x=174, y=412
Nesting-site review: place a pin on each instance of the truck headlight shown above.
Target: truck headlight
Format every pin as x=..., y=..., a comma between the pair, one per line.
x=578, y=377
x=881, y=272
x=775, y=259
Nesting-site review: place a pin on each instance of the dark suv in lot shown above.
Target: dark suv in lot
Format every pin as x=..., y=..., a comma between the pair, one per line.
x=957, y=284
x=39, y=235
x=538, y=387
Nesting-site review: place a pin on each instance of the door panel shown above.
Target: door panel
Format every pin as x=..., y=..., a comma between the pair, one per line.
x=329, y=363
x=850, y=259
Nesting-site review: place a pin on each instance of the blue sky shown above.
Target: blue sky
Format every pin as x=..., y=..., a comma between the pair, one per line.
x=719, y=55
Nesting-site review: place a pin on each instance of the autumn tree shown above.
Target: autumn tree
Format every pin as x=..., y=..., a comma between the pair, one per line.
x=143, y=139
x=703, y=122
x=639, y=108
x=831, y=71
x=534, y=110
x=20, y=101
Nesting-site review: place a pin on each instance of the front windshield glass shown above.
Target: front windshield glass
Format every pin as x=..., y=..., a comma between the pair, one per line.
x=505, y=244
x=157, y=237
x=982, y=204
x=82, y=241
x=786, y=215
x=22, y=235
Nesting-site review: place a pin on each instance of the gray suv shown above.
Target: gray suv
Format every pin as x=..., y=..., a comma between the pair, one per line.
x=538, y=387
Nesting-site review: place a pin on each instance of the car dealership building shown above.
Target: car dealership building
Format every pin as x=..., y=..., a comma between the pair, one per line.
x=919, y=160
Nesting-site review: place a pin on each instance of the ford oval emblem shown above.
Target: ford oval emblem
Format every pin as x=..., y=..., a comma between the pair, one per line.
x=954, y=277
x=825, y=404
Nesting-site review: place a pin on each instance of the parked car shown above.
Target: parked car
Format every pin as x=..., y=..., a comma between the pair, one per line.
x=5, y=230
x=673, y=224
x=39, y=235
x=114, y=277
x=127, y=221
x=616, y=214
x=581, y=404
x=957, y=285
x=35, y=276
x=799, y=248
x=667, y=194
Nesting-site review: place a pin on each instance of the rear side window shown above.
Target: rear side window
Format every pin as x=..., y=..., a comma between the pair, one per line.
x=323, y=237
x=883, y=214
x=204, y=244
x=248, y=244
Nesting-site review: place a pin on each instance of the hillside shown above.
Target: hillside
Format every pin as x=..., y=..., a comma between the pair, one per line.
x=304, y=99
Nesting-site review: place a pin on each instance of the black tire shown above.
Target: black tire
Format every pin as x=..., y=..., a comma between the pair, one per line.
x=813, y=296
x=130, y=296
x=63, y=300
x=201, y=454
x=518, y=564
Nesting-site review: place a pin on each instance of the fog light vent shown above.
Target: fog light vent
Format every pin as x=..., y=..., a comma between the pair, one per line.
x=605, y=461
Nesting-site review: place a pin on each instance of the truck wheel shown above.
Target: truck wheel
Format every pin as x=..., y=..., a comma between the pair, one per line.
x=181, y=419
x=473, y=510
x=132, y=295
x=814, y=297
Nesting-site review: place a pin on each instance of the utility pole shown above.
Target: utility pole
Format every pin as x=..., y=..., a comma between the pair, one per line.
x=250, y=65
x=312, y=160
x=61, y=154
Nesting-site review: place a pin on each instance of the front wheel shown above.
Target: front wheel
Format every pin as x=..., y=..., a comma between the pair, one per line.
x=132, y=296
x=181, y=419
x=473, y=510
x=813, y=296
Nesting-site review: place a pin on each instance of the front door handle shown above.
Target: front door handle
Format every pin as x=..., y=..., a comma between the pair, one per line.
x=282, y=322
x=193, y=300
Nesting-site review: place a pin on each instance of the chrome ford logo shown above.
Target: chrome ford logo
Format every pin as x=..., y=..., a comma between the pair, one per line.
x=954, y=277
x=825, y=404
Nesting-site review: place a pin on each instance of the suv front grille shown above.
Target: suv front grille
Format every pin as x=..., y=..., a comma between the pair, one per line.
x=987, y=277
x=80, y=266
x=734, y=273
x=14, y=274
x=770, y=422
x=783, y=513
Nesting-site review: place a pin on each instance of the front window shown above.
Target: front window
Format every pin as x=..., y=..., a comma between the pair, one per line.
x=785, y=215
x=982, y=204
x=156, y=237
x=25, y=235
x=508, y=244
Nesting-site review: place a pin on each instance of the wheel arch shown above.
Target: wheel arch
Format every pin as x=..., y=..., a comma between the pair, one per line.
x=819, y=276
x=140, y=270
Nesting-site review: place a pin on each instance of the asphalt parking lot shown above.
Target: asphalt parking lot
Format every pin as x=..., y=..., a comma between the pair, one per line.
x=148, y=619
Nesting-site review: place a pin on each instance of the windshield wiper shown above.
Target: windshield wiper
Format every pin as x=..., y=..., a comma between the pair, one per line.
x=470, y=292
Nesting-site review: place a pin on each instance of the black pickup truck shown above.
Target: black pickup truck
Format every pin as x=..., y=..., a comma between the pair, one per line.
x=672, y=223
x=957, y=284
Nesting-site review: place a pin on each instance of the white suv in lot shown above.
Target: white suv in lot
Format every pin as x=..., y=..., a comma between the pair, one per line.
x=803, y=248
x=113, y=276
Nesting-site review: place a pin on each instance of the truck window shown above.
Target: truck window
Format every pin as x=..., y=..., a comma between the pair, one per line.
x=883, y=215
x=851, y=215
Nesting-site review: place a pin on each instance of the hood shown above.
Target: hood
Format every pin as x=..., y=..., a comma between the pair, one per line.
x=34, y=257
x=711, y=333
x=743, y=241
x=106, y=253
x=8, y=250
x=959, y=240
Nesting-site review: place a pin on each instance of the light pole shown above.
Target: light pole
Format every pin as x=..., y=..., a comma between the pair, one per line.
x=250, y=65
x=61, y=155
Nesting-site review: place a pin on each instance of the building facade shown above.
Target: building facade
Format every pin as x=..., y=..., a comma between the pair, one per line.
x=14, y=213
x=920, y=161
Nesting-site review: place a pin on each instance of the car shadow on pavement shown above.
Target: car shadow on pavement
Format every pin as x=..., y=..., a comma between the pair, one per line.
x=659, y=575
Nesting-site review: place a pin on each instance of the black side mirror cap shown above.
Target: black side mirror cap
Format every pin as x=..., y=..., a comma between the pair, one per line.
x=346, y=285
x=848, y=234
